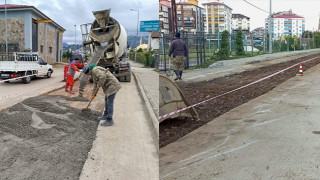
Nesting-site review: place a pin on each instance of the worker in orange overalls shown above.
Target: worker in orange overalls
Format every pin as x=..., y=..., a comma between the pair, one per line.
x=73, y=67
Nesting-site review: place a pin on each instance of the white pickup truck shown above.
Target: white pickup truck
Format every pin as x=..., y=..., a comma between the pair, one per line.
x=23, y=65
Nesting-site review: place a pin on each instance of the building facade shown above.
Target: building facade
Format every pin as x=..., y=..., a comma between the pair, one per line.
x=240, y=22
x=286, y=22
x=258, y=32
x=28, y=29
x=190, y=16
x=164, y=16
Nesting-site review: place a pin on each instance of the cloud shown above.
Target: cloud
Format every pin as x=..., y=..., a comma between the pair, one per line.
x=68, y=13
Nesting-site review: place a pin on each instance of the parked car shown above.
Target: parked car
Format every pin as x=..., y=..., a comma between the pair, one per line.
x=24, y=65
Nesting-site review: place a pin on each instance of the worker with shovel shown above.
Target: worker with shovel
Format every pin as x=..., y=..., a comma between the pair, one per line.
x=110, y=85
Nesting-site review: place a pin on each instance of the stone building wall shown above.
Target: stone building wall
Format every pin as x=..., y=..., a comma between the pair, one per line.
x=15, y=31
x=51, y=42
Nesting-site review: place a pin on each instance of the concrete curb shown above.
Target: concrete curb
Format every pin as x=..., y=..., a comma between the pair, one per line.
x=154, y=123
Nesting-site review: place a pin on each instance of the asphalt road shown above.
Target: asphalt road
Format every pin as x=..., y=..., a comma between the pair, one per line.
x=275, y=136
x=15, y=91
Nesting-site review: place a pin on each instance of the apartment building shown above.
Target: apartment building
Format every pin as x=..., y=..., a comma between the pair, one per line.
x=240, y=22
x=217, y=17
x=286, y=22
x=258, y=32
x=164, y=16
x=190, y=16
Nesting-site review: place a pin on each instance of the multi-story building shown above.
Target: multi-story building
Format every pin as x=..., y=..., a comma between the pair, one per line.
x=286, y=22
x=30, y=29
x=164, y=16
x=217, y=17
x=240, y=22
x=190, y=16
x=258, y=32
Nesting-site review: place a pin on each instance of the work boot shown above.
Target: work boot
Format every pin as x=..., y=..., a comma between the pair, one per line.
x=102, y=118
x=66, y=88
x=108, y=122
x=180, y=75
x=65, y=80
x=71, y=92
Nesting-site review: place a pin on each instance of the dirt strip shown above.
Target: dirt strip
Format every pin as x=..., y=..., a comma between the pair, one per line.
x=173, y=129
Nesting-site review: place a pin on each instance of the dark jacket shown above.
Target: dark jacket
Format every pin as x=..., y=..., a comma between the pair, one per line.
x=178, y=48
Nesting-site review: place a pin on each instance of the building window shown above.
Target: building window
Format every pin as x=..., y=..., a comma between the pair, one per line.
x=50, y=49
x=41, y=48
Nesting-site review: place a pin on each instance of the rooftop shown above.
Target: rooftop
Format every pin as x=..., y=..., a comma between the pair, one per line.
x=288, y=16
x=216, y=3
x=165, y=3
x=11, y=7
x=239, y=16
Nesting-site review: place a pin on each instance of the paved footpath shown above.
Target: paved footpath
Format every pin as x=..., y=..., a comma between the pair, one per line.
x=148, y=86
x=227, y=67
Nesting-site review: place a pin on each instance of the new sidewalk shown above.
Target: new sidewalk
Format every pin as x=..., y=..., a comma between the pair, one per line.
x=148, y=86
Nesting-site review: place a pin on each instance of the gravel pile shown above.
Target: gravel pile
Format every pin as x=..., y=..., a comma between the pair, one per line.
x=45, y=138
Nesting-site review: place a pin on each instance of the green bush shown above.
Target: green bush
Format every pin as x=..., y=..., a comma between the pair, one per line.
x=239, y=42
x=224, y=49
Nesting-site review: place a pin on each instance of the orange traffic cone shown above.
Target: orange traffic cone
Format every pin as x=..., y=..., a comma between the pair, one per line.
x=300, y=70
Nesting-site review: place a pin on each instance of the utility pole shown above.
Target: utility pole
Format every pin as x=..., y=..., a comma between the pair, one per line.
x=270, y=34
x=5, y=6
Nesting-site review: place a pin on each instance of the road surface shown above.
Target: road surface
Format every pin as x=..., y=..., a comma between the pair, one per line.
x=15, y=91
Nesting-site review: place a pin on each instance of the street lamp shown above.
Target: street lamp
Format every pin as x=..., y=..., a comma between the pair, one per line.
x=75, y=37
x=135, y=56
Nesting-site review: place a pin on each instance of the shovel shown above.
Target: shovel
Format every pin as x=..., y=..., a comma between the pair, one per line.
x=87, y=108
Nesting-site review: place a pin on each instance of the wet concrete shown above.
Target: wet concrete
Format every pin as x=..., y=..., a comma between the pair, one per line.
x=45, y=138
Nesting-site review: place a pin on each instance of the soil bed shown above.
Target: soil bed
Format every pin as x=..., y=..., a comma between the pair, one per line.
x=173, y=129
x=45, y=138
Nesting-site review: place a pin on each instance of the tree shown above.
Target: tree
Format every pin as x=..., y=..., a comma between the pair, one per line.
x=224, y=50
x=317, y=39
x=67, y=54
x=239, y=42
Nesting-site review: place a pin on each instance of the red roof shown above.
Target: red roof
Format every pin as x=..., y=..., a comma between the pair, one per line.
x=216, y=3
x=14, y=6
x=165, y=3
x=288, y=16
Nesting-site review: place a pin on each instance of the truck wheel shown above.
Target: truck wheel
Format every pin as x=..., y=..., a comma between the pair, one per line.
x=49, y=74
x=26, y=80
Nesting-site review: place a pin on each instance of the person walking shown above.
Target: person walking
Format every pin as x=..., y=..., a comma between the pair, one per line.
x=179, y=51
x=73, y=67
x=110, y=85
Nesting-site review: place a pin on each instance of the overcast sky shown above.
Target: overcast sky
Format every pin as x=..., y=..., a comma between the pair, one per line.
x=310, y=9
x=68, y=13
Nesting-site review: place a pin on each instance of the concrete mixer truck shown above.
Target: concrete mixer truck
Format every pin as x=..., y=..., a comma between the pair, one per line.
x=107, y=41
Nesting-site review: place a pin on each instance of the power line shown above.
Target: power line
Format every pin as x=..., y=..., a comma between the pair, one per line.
x=312, y=17
x=255, y=6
